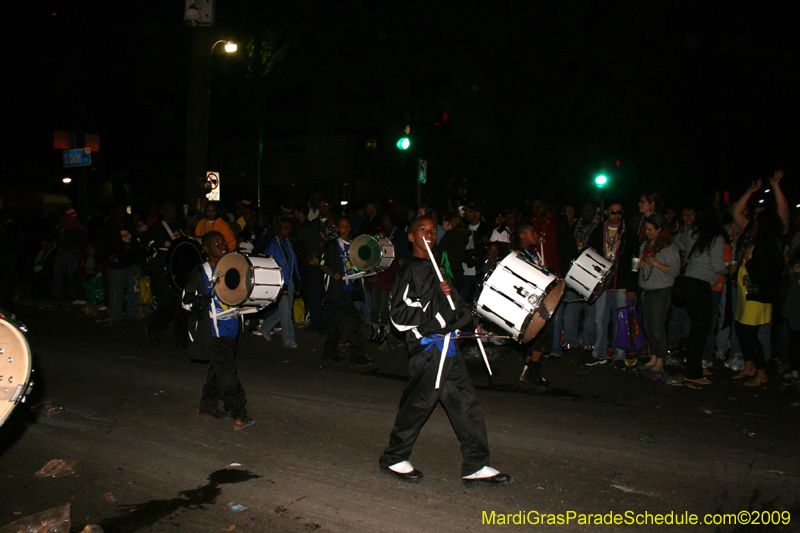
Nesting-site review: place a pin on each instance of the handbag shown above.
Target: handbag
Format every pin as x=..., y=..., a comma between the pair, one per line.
x=630, y=332
x=678, y=295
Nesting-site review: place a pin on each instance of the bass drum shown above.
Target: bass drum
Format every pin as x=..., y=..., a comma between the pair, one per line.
x=519, y=297
x=590, y=274
x=182, y=256
x=248, y=281
x=16, y=365
x=371, y=254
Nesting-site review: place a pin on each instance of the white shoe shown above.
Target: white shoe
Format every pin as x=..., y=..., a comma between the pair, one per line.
x=80, y=302
x=486, y=471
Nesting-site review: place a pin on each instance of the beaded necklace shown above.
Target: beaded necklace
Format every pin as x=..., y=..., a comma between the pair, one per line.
x=647, y=270
x=582, y=230
x=611, y=248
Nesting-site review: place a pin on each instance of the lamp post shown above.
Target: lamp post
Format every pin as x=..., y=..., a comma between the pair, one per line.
x=198, y=112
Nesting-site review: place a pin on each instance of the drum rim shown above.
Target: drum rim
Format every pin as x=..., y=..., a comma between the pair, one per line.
x=173, y=245
x=252, y=279
x=11, y=324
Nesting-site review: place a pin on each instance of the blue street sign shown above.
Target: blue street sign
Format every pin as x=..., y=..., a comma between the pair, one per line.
x=80, y=157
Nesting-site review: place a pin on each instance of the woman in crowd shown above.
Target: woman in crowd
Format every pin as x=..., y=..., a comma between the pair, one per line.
x=658, y=268
x=758, y=282
x=791, y=312
x=650, y=203
x=703, y=245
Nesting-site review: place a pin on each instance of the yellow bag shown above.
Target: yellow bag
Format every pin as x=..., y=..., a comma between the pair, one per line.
x=145, y=290
x=299, y=311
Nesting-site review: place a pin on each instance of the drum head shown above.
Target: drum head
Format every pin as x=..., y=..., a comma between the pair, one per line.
x=545, y=310
x=236, y=281
x=183, y=255
x=15, y=367
x=603, y=286
x=365, y=252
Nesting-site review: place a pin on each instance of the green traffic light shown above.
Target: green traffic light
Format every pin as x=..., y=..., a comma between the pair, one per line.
x=403, y=143
x=601, y=180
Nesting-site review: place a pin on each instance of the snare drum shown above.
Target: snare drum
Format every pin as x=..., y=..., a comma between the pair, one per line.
x=373, y=254
x=248, y=281
x=589, y=275
x=15, y=366
x=519, y=297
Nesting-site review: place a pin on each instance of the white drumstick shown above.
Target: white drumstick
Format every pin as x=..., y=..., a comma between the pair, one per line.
x=445, y=348
x=438, y=273
x=541, y=247
x=483, y=353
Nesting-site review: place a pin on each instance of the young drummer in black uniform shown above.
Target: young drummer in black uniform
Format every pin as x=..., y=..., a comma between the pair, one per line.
x=213, y=334
x=529, y=244
x=420, y=309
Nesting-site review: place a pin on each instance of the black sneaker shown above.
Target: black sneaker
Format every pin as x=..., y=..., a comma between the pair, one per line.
x=598, y=362
x=532, y=375
x=243, y=422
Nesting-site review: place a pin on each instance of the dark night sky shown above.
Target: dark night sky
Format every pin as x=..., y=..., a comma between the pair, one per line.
x=691, y=96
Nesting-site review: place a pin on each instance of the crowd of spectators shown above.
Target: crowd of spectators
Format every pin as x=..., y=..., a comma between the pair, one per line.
x=737, y=265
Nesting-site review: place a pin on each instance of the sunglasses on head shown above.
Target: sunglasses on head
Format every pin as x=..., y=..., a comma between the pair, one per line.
x=616, y=212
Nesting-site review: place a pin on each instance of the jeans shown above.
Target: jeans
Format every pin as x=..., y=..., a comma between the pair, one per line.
x=469, y=283
x=655, y=306
x=566, y=321
x=607, y=307
x=123, y=285
x=724, y=335
x=283, y=316
x=589, y=334
x=64, y=267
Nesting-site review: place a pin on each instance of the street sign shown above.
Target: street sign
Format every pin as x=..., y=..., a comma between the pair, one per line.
x=212, y=186
x=79, y=157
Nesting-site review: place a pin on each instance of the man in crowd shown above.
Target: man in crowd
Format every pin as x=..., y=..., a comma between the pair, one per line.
x=213, y=222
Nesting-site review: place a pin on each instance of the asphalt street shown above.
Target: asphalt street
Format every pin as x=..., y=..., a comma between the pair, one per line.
x=598, y=441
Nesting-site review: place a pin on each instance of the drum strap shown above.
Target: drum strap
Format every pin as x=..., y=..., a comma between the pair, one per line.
x=213, y=311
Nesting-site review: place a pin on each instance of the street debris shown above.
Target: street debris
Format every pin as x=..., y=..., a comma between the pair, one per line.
x=747, y=432
x=237, y=507
x=92, y=528
x=57, y=468
x=56, y=520
x=109, y=497
x=46, y=409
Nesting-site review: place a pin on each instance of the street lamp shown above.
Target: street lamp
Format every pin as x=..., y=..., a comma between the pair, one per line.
x=198, y=112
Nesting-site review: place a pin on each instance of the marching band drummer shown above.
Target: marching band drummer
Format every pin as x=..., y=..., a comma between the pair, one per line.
x=213, y=338
x=420, y=309
x=530, y=245
x=159, y=236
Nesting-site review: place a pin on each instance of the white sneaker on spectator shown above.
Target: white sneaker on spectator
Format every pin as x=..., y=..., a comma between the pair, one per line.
x=102, y=307
x=80, y=302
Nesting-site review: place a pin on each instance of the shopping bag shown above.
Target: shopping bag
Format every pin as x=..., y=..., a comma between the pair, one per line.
x=298, y=311
x=94, y=289
x=145, y=290
x=630, y=332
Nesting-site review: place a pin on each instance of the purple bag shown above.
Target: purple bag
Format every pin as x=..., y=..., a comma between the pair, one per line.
x=630, y=332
